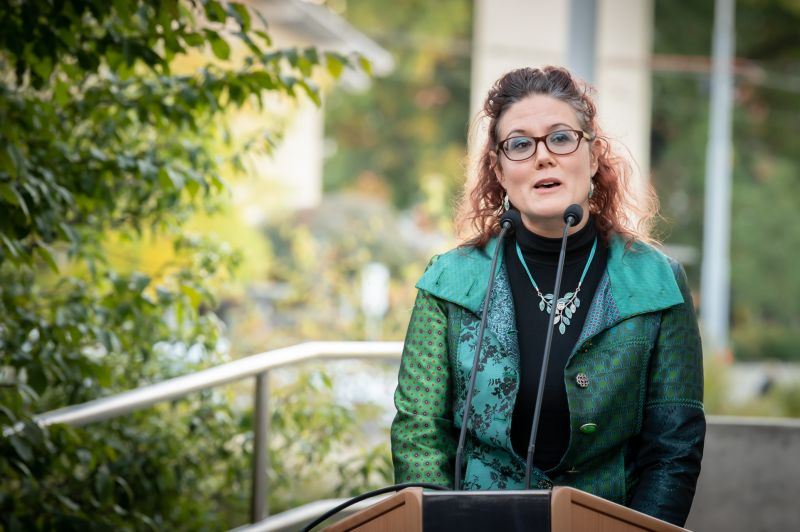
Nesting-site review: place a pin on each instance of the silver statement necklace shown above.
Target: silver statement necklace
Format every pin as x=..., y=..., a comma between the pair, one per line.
x=566, y=305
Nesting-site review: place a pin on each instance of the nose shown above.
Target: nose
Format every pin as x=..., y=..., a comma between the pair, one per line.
x=542, y=156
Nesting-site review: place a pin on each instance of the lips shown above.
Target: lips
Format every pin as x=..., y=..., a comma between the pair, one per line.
x=547, y=183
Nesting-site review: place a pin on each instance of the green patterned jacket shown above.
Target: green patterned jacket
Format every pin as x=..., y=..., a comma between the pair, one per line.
x=637, y=429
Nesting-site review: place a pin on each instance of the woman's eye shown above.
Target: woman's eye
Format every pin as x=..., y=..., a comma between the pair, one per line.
x=519, y=144
x=561, y=137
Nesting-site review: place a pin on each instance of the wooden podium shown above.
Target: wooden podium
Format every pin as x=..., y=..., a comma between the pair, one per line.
x=560, y=510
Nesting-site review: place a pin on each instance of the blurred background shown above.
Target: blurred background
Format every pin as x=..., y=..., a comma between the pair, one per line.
x=184, y=184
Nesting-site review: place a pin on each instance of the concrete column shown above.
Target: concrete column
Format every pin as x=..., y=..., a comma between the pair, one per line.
x=623, y=76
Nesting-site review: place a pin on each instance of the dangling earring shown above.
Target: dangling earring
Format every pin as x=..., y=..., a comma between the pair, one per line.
x=591, y=188
x=506, y=203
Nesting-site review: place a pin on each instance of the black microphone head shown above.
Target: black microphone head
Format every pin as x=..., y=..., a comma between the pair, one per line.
x=512, y=217
x=573, y=214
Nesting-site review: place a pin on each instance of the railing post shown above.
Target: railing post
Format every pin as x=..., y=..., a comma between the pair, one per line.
x=258, y=502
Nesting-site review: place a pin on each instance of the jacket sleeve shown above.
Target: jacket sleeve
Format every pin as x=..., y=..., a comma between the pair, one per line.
x=670, y=445
x=423, y=442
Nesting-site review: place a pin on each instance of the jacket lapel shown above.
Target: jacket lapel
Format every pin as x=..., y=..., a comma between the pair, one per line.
x=640, y=279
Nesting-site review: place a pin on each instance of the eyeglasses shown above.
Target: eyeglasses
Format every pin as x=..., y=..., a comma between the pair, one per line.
x=561, y=142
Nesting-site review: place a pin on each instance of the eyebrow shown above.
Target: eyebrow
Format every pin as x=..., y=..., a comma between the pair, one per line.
x=549, y=128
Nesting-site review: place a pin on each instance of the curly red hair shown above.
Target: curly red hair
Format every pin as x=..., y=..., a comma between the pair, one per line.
x=613, y=204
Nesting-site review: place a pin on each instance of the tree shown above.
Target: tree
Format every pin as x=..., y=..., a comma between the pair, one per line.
x=102, y=139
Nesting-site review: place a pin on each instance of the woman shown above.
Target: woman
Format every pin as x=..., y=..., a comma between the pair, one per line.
x=622, y=413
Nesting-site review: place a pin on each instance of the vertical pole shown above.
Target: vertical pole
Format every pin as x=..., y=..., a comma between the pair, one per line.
x=582, y=38
x=258, y=501
x=715, y=274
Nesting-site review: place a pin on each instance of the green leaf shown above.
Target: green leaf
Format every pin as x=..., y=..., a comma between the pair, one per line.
x=312, y=55
x=61, y=94
x=8, y=413
x=8, y=193
x=304, y=65
x=365, y=64
x=11, y=160
x=195, y=297
x=240, y=13
x=264, y=36
x=11, y=245
x=193, y=39
x=170, y=179
x=219, y=46
x=311, y=91
x=21, y=447
x=214, y=11
x=69, y=503
x=47, y=255
x=334, y=65
x=292, y=56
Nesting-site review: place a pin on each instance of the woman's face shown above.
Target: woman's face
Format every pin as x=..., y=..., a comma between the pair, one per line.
x=542, y=186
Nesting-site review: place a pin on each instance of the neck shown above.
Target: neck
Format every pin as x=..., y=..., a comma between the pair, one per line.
x=545, y=250
x=551, y=228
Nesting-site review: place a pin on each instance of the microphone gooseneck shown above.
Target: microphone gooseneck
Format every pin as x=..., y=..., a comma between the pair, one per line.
x=507, y=223
x=572, y=216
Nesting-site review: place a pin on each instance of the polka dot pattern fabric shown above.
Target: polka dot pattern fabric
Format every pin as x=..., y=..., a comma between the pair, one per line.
x=423, y=439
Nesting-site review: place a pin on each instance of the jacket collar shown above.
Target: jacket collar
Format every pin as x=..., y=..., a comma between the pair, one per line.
x=641, y=278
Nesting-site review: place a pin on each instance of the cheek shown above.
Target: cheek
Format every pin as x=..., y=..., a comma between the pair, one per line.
x=585, y=167
x=516, y=173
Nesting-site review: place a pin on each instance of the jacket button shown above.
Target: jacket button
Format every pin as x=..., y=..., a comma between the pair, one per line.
x=588, y=428
x=582, y=380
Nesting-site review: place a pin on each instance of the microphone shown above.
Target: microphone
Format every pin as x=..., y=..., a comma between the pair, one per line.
x=572, y=216
x=507, y=223
x=511, y=219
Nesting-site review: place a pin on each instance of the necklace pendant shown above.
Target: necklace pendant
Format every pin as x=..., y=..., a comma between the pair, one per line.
x=565, y=306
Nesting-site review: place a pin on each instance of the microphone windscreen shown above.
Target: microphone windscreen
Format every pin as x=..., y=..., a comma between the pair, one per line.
x=575, y=212
x=513, y=217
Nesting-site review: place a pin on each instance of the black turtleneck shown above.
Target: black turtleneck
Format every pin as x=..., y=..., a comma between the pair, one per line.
x=541, y=256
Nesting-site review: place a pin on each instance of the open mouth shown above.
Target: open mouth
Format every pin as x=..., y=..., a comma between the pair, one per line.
x=547, y=183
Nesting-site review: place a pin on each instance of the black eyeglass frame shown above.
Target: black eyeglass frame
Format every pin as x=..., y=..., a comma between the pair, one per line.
x=581, y=135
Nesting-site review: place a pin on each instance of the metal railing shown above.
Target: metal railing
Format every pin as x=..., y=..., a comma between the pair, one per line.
x=257, y=366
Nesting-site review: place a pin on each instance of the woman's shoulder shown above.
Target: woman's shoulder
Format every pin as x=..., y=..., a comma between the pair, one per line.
x=457, y=259
x=642, y=251
x=454, y=274
x=647, y=261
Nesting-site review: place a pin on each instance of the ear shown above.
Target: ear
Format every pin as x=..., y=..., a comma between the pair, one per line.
x=594, y=158
x=494, y=163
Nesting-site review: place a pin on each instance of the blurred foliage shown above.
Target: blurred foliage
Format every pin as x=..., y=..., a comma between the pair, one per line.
x=766, y=166
x=772, y=400
x=766, y=342
x=318, y=446
x=324, y=445
x=317, y=258
x=103, y=142
x=408, y=132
